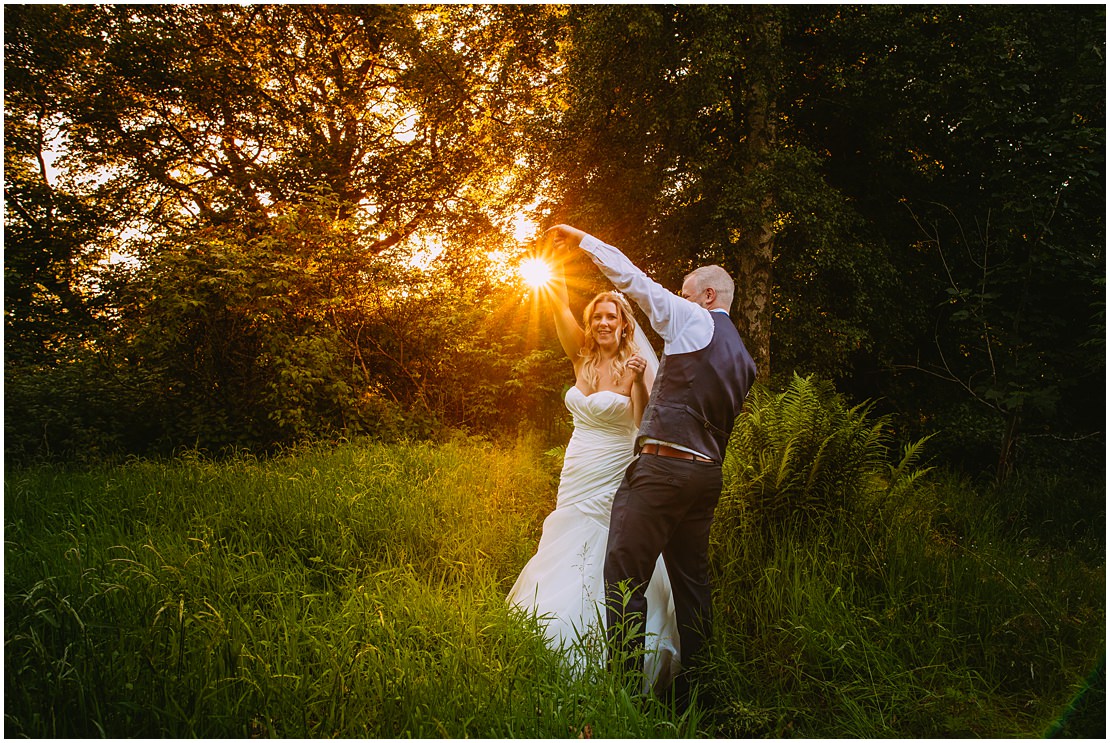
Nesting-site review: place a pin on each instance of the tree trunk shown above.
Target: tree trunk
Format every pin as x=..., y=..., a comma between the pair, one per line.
x=753, y=295
x=756, y=84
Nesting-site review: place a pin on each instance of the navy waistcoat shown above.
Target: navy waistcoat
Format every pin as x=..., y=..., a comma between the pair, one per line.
x=697, y=396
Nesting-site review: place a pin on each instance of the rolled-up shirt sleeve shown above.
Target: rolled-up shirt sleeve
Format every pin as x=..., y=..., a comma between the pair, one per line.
x=683, y=325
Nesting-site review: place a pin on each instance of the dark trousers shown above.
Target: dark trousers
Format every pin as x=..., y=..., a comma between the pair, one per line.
x=663, y=505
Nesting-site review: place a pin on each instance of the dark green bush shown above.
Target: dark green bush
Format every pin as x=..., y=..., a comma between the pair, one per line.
x=806, y=458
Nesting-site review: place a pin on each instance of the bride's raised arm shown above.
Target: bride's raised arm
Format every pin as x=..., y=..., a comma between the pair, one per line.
x=570, y=332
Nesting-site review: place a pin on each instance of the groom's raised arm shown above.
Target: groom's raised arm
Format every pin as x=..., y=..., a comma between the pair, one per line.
x=670, y=315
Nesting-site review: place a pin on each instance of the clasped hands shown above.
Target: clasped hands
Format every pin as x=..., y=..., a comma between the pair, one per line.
x=563, y=237
x=554, y=248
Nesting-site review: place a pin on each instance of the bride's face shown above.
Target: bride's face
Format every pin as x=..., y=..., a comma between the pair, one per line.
x=605, y=324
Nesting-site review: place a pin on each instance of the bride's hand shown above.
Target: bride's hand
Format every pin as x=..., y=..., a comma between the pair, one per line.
x=637, y=364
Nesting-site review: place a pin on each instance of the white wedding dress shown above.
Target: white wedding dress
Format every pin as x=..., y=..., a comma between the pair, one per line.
x=564, y=583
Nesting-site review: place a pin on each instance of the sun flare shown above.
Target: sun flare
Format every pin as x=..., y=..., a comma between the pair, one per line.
x=535, y=272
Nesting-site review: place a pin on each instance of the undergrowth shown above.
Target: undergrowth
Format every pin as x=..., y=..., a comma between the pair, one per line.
x=359, y=591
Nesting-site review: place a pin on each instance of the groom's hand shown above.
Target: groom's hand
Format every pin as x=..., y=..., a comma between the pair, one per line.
x=564, y=237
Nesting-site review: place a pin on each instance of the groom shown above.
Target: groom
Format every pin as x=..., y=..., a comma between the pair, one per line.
x=666, y=501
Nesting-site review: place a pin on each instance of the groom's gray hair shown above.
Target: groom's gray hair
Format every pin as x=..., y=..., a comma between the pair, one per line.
x=717, y=279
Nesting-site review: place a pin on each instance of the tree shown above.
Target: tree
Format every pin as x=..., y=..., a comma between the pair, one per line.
x=259, y=166
x=896, y=189
x=972, y=139
x=54, y=231
x=678, y=144
x=218, y=113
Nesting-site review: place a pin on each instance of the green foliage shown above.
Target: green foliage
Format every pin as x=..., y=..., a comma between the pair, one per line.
x=55, y=231
x=831, y=272
x=268, y=173
x=291, y=332
x=990, y=203
x=656, y=154
x=803, y=459
x=914, y=189
x=76, y=410
x=932, y=184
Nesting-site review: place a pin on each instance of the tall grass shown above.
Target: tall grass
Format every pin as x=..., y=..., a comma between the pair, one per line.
x=359, y=591
x=356, y=591
x=859, y=598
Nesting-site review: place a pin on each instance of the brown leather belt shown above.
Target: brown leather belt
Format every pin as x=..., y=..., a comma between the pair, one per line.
x=661, y=450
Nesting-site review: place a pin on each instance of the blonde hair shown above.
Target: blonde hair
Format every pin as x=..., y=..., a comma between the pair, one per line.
x=626, y=347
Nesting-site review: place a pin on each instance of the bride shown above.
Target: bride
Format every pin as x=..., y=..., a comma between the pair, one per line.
x=563, y=583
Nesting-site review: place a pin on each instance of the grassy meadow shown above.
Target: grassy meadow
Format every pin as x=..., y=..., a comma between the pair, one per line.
x=358, y=590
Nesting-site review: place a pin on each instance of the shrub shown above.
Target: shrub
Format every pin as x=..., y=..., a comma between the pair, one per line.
x=804, y=458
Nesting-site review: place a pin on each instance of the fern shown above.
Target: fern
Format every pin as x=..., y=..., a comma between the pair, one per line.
x=803, y=458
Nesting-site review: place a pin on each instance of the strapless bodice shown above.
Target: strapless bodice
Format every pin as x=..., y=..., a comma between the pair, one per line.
x=604, y=412
x=599, y=450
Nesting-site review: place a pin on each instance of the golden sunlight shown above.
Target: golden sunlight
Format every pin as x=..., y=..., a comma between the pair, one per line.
x=524, y=229
x=535, y=272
